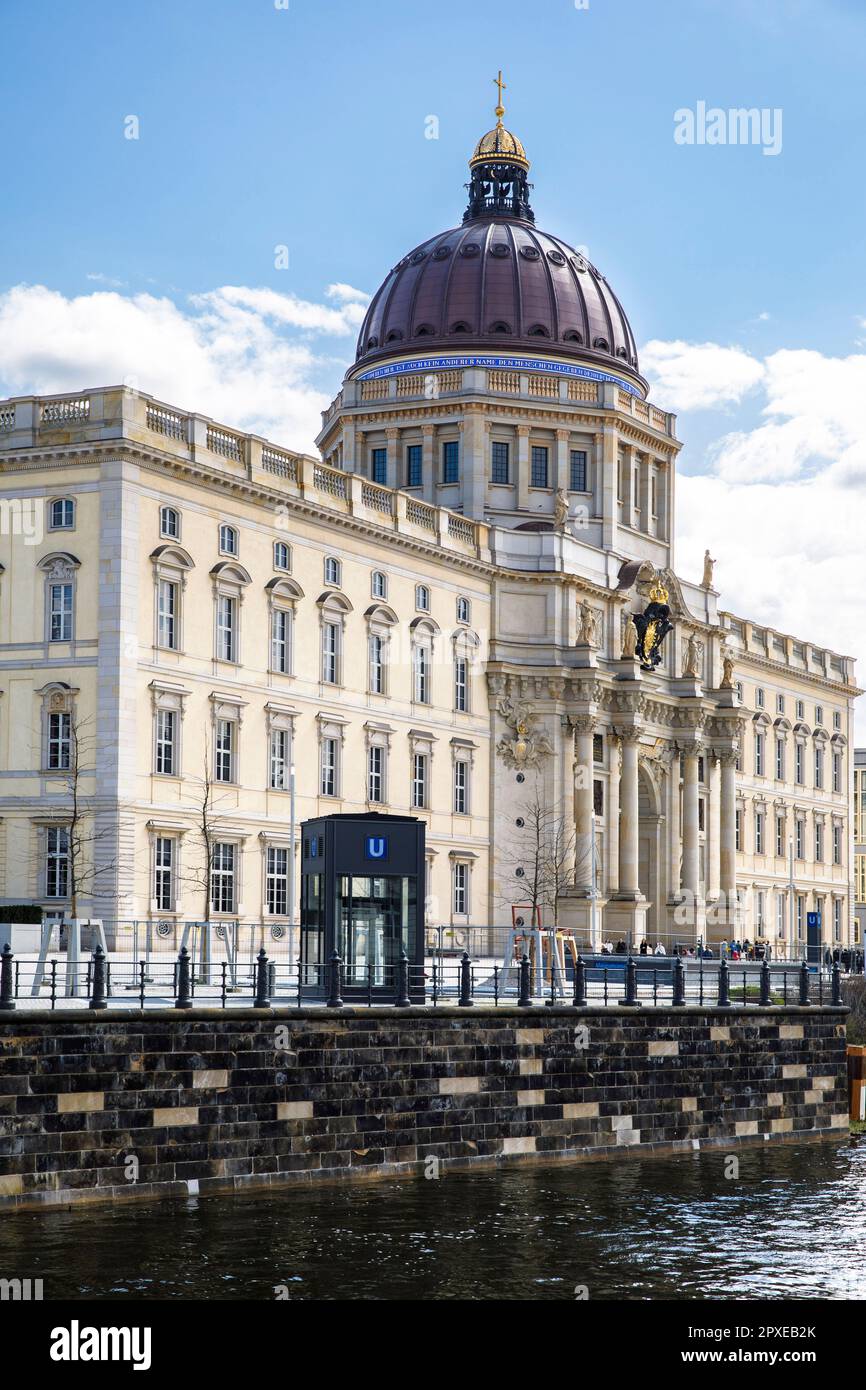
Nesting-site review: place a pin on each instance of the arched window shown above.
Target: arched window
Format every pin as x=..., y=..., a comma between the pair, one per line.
x=464, y=610
x=282, y=556
x=61, y=514
x=59, y=569
x=379, y=584
x=228, y=540
x=170, y=567
x=333, y=610
x=169, y=523
x=422, y=598
x=333, y=570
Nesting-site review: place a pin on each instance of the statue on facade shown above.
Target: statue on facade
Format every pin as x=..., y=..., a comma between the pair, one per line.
x=560, y=509
x=588, y=631
x=629, y=638
x=692, y=657
x=709, y=562
x=727, y=681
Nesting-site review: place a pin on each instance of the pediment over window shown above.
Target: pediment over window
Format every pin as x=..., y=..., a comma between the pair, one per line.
x=381, y=613
x=230, y=572
x=284, y=588
x=331, y=599
x=424, y=624
x=782, y=723
x=59, y=564
x=174, y=555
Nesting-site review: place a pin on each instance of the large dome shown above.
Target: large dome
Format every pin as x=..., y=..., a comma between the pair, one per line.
x=498, y=283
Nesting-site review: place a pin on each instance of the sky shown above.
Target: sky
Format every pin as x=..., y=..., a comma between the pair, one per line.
x=198, y=200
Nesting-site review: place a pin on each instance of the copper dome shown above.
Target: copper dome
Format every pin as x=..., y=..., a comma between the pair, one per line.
x=498, y=284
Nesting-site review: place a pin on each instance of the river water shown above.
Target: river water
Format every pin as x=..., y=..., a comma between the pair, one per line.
x=791, y=1224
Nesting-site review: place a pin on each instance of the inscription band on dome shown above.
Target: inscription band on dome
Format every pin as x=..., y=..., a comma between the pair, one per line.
x=520, y=364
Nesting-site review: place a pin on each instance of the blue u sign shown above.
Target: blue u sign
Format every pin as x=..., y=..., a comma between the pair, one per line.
x=813, y=919
x=376, y=847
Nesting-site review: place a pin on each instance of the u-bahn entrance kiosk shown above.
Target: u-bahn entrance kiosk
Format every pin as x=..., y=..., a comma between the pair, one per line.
x=362, y=895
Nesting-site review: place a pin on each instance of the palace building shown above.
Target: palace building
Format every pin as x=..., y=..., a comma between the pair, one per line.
x=434, y=617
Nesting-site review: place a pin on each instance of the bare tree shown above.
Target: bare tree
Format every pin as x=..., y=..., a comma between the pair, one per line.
x=85, y=866
x=199, y=874
x=541, y=857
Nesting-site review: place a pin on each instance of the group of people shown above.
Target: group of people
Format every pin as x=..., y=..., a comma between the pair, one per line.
x=743, y=950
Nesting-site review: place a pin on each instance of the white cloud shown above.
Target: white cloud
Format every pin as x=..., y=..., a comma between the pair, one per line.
x=347, y=293
x=248, y=357
x=699, y=376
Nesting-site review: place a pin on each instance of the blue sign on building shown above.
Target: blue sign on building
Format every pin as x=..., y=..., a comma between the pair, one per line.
x=813, y=919
x=376, y=847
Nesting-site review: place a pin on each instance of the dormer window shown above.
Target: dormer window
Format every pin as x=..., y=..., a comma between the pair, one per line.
x=62, y=514
x=169, y=523
x=228, y=540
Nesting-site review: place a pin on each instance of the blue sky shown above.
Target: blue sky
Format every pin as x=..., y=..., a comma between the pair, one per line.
x=260, y=126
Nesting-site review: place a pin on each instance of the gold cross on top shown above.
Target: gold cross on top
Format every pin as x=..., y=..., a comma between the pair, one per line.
x=500, y=109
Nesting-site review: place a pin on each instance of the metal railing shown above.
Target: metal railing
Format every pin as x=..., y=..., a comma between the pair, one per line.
x=596, y=981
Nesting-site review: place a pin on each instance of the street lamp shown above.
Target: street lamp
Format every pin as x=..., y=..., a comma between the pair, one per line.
x=291, y=859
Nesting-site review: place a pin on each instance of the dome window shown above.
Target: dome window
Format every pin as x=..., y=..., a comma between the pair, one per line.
x=500, y=250
x=372, y=343
x=579, y=264
x=418, y=257
x=621, y=352
x=602, y=344
x=460, y=327
x=441, y=253
x=538, y=331
x=395, y=336
x=424, y=330
x=530, y=253
x=499, y=327
x=556, y=257
x=469, y=248
x=571, y=335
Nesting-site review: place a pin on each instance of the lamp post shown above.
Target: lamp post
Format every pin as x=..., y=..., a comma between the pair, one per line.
x=791, y=897
x=291, y=859
x=593, y=928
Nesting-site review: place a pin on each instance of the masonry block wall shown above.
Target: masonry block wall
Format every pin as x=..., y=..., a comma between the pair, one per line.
x=222, y=1100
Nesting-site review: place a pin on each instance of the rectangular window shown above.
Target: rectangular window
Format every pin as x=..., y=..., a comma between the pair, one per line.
x=759, y=832
x=166, y=735
x=279, y=760
x=819, y=842
x=597, y=797
x=421, y=658
x=798, y=764
x=461, y=890
x=163, y=873
x=837, y=772
x=222, y=877
x=538, y=467
x=166, y=615
x=379, y=466
x=760, y=901
x=780, y=760
x=780, y=704
x=738, y=830
x=414, y=466
x=224, y=762
x=59, y=741
x=799, y=835
x=461, y=788
x=780, y=914
x=780, y=836
x=837, y=919
x=281, y=641
x=226, y=624
x=653, y=491
x=377, y=664
x=376, y=773
x=56, y=862
x=499, y=462
x=837, y=844
x=419, y=781
x=577, y=473
x=328, y=779
x=60, y=613
x=331, y=653
x=451, y=461
x=819, y=769
x=801, y=910
x=759, y=755
x=277, y=881
x=461, y=684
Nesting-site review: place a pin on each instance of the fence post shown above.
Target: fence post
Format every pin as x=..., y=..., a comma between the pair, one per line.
x=335, y=982
x=765, y=981
x=401, y=996
x=524, y=998
x=804, y=983
x=262, y=999
x=97, y=997
x=579, y=982
x=630, y=982
x=679, y=981
x=724, y=999
x=465, y=1000
x=184, y=997
x=836, y=984
x=7, y=1000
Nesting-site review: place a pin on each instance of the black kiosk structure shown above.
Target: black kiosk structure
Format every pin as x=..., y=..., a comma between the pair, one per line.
x=362, y=896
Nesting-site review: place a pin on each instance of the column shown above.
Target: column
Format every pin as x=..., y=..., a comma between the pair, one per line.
x=583, y=804
x=611, y=877
x=713, y=825
x=728, y=832
x=675, y=847
x=690, y=824
x=392, y=458
x=562, y=478
x=629, y=886
x=428, y=463
x=522, y=465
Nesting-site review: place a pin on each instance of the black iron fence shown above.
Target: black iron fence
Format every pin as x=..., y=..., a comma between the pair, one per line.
x=632, y=981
